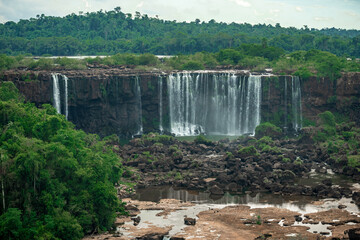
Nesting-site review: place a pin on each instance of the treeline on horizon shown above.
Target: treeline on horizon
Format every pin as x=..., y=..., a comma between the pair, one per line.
x=112, y=32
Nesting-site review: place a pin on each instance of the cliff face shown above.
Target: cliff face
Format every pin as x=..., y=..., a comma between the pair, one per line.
x=342, y=95
x=107, y=101
x=111, y=104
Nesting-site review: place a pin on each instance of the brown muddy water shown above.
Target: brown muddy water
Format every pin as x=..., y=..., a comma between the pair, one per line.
x=205, y=201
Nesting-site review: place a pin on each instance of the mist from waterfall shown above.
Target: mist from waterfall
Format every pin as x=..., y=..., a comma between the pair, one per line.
x=213, y=103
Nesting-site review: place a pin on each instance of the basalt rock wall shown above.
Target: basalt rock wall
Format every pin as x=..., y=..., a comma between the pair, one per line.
x=99, y=101
x=106, y=101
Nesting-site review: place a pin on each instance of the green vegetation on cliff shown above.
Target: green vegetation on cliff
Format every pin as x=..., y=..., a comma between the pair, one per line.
x=56, y=182
x=340, y=139
x=254, y=57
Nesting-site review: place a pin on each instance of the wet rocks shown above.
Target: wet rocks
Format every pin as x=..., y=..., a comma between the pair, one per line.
x=132, y=209
x=342, y=206
x=189, y=221
x=356, y=198
x=188, y=165
x=215, y=190
x=354, y=234
x=136, y=220
x=151, y=236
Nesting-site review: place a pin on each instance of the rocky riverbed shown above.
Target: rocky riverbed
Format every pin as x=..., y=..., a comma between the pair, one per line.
x=167, y=219
x=240, y=166
x=248, y=188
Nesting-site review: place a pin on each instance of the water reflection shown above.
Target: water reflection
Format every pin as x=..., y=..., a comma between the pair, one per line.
x=301, y=204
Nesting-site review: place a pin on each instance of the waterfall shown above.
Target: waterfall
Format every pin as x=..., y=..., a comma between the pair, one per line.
x=66, y=96
x=213, y=103
x=60, y=98
x=56, y=92
x=161, y=105
x=138, y=97
x=296, y=103
x=285, y=104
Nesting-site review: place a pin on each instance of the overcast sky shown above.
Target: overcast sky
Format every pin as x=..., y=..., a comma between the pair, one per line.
x=297, y=13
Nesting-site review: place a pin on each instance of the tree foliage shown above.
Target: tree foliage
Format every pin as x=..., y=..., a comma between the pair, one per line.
x=57, y=182
x=112, y=32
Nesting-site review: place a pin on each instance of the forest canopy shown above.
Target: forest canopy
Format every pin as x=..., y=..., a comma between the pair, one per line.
x=57, y=182
x=111, y=32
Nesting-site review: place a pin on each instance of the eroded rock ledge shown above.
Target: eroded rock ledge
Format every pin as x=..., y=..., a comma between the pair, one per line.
x=103, y=101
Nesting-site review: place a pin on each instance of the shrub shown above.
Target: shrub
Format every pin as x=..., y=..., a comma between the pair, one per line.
x=303, y=73
x=286, y=160
x=348, y=135
x=178, y=176
x=264, y=141
x=201, y=139
x=6, y=62
x=327, y=118
x=267, y=129
x=192, y=65
x=229, y=155
x=248, y=151
x=157, y=138
x=8, y=91
x=298, y=161
x=148, y=59
x=354, y=161
x=325, y=133
x=43, y=64
x=269, y=149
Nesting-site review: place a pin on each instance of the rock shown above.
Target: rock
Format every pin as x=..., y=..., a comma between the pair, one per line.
x=233, y=187
x=136, y=220
x=263, y=237
x=354, y=234
x=356, y=198
x=151, y=236
x=298, y=218
x=215, y=190
x=189, y=221
x=327, y=182
x=130, y=207
x=342, y=206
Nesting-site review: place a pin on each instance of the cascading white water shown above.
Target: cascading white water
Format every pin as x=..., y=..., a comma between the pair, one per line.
x=285, y=104
x=215, y=103
x=57, y=93
x=138, y=97
x=296, y=103
x=66, y=96
x=161, y=129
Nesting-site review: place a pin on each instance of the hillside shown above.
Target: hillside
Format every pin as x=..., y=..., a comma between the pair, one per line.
x=114, y=31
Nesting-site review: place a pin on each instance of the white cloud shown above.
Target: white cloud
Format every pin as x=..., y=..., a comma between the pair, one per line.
x=274, y=12
x=320, y=19
x=87, y=5
x=299, y=9
x=257, y=13
x=351, y=13
x=270, y=20
x=140, y=5
x=241, y=3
